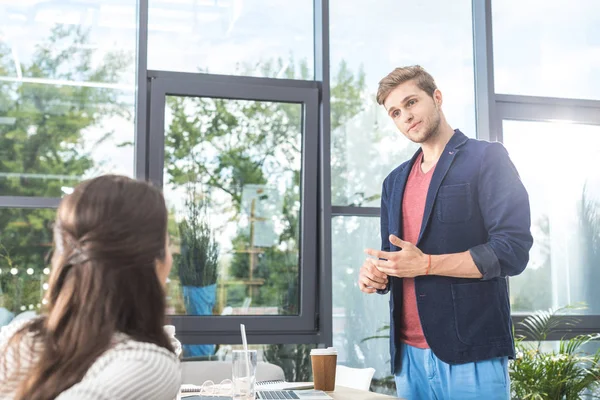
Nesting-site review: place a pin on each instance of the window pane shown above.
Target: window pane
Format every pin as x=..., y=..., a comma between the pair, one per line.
x=357, y=316
x=25, y=243
x=565, y=213
x=366, y=145
x=232, y=181
x=544, y=48
x=271, y=38
x=66, y=94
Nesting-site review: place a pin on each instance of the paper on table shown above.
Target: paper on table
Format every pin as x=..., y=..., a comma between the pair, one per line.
x=221, y=389
x=187, y=388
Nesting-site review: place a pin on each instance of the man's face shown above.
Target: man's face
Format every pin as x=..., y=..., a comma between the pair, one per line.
x=416, y=114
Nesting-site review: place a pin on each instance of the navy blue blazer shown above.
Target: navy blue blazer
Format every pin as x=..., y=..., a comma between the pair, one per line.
x=476, y=202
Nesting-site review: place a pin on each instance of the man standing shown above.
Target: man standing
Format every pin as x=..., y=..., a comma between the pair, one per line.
x=455, y=222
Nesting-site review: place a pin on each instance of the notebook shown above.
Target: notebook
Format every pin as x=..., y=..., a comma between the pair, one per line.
x=197, y=397
x=190, y=392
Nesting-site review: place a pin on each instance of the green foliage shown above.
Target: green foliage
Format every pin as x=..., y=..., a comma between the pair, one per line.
x=198, y=261
x=385, y=385
x=49, y=119
x=226, y=144
x=46, y=140
x=378, y=336
x=566, y=374
x=294, y=359
x=347, y=91
x=22, y=289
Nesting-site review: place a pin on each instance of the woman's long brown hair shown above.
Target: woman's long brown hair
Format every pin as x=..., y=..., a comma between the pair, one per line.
x=109, y=233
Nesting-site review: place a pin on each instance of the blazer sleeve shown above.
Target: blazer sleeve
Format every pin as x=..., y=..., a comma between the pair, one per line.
x=385, y=233
x=504, y=205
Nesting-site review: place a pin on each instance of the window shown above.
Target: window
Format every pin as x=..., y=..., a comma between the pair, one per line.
x=66, y=94
x=366, y=145
x=232, y=156
x=557, y=163
x=546, y=48
x=232, y=180
x=552, y=141
x=253, y=38
x=358, y=316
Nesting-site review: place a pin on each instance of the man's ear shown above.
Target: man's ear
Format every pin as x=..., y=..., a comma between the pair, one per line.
x=437, y=97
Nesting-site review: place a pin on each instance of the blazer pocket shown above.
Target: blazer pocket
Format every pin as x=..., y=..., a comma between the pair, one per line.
x=454, y=203
x=479, y=314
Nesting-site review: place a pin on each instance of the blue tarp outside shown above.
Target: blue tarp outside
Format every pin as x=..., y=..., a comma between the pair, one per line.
x=199, y=300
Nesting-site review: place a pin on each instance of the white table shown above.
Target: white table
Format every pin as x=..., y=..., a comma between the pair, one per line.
x=344, y=393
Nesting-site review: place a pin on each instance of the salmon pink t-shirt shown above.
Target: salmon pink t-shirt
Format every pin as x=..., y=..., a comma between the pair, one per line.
x=413, y=208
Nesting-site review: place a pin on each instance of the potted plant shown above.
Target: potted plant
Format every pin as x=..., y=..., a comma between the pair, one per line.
x=564, y=374
x=197, y=266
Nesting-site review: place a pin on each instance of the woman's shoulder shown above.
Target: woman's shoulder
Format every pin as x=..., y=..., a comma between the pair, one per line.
x=148, y=356
x=131, y=369
x=16, y=359
x=125, y=348
x=8, y=331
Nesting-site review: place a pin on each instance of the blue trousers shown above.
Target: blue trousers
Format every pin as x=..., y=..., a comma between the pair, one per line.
x=423, y=376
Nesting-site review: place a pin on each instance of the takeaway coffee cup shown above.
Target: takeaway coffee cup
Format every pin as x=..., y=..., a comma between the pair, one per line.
x=323, y=367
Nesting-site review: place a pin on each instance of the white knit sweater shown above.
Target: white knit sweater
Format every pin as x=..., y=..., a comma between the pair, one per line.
x=128, y=370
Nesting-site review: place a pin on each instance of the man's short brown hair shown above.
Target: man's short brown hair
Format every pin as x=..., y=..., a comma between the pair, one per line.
x=400, y=75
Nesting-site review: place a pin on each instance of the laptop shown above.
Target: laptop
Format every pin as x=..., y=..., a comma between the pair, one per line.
x=292, y=394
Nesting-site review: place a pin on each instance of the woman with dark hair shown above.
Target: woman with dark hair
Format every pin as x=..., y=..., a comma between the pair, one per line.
x=102, y=335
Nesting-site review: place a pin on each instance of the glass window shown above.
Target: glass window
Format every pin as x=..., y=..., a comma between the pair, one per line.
x=357, y=316
x=232, y=181
x=271, y=38
x=558, y=164
x=25, y=246
x=67, y=93
x=546, y=48
x=435, y=34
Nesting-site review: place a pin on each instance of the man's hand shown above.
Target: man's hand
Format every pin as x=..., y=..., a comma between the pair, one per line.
x=406, y=263
x=370, y=278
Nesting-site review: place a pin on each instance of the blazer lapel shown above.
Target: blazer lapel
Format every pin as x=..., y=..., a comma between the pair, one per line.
x=441, y=169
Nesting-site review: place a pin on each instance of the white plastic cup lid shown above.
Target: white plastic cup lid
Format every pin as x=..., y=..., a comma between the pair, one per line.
x=169, y=330
x=330, y=351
